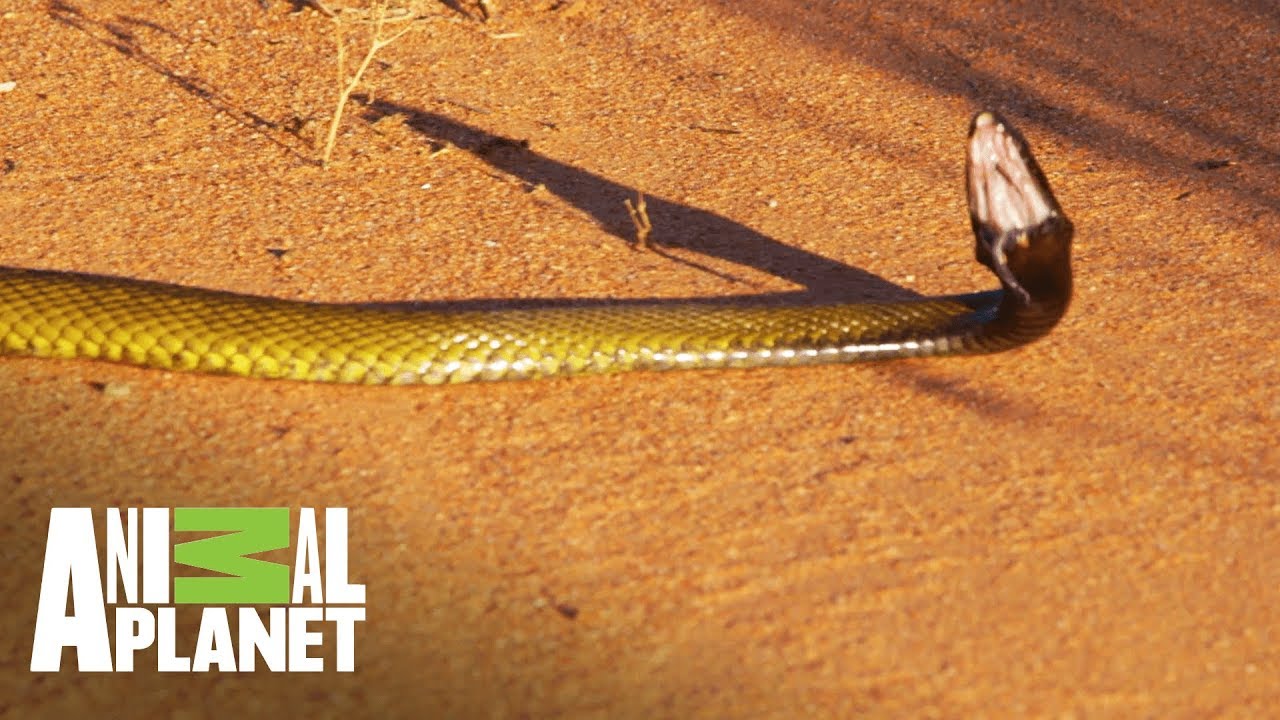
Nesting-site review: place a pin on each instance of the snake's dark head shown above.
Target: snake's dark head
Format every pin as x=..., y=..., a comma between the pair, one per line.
x=1021, y=232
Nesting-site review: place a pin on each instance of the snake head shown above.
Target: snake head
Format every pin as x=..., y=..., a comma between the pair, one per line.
x=1021, y=232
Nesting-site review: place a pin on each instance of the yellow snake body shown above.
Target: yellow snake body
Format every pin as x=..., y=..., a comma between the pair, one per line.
x=1022, y=235
x=64, y=315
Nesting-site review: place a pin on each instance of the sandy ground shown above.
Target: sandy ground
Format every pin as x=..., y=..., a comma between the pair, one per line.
x=1083, y=528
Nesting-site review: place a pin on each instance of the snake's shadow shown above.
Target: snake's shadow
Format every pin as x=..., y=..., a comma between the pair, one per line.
x=681, y=226
x=689, y=228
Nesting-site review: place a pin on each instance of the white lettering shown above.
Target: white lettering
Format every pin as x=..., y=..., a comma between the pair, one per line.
x=300, y=639
x=255, y=637
x=344, y=622
x=213, y=644
x=306, y=566
x=122, y=555
x=168, y=660
x=71, y=566
x=335, y=560
x=135, y=630
x=155, y=556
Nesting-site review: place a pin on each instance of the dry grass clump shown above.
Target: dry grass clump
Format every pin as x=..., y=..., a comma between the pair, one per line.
x=380, y=16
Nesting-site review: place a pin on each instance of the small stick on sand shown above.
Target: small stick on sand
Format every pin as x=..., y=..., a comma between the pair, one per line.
x=349, y=84
x=640, y=218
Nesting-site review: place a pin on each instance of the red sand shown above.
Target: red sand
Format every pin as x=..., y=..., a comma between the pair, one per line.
x=1086, y=527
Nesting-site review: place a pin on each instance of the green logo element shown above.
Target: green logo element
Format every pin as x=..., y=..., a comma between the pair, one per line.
x=248, y=531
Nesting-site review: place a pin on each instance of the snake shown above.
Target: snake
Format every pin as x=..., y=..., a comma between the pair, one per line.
x=1020, y=233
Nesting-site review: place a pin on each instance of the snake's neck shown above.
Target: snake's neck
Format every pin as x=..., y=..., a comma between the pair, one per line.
x=1042, y=273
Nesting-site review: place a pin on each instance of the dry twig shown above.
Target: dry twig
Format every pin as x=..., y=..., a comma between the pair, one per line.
x=347, y=84
x=640, y=218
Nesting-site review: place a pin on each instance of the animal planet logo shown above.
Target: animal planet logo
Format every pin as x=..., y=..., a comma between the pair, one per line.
x=71, y=571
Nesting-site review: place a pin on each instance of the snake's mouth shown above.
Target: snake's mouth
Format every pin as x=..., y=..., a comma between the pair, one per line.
x=1007, y=191
x=1010, y=204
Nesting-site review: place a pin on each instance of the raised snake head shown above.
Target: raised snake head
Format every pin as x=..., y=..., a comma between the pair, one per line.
x=1020, y=230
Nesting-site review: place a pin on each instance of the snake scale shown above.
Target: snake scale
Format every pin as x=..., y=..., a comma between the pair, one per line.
x=1020, y=231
